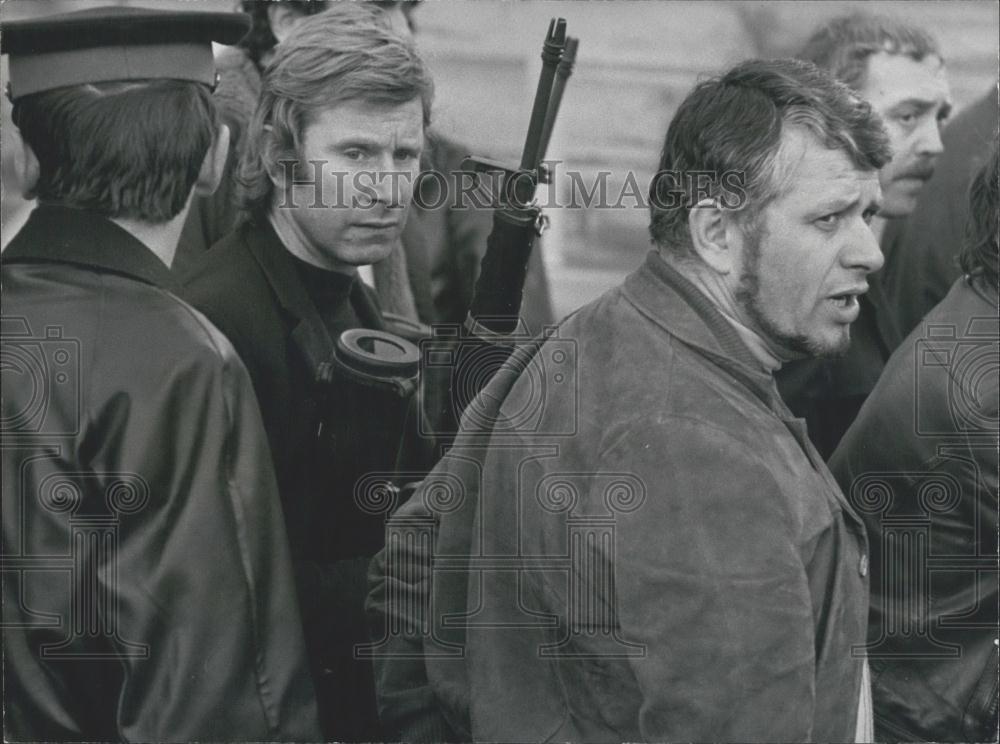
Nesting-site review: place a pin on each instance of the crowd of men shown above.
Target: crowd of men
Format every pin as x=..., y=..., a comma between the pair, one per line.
x=750, y=494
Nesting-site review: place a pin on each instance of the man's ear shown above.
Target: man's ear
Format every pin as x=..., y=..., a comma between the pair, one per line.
x=712, y=237
x=282, y=18
x=26, y=167
x=213, y=167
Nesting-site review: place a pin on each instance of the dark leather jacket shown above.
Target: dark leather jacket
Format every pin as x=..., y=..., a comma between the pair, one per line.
x=147, y=590
x=920, y=464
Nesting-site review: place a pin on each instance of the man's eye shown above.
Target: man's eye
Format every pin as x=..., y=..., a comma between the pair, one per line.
x=354, y=154
x=406, y=155
x=868, y=215
x=829, y=220
x=906, y=119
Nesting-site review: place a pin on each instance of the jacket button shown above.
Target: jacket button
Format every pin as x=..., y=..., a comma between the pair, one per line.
x=863, y=565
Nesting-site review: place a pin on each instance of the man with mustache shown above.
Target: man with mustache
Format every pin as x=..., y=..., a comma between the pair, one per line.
x=921, y=254
x=326, y=180
x=899, y=70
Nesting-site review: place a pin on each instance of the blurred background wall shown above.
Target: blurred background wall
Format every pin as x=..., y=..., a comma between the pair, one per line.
x=636, y=62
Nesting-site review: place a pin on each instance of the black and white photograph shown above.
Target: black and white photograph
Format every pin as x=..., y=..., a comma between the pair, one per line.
x=576, y=371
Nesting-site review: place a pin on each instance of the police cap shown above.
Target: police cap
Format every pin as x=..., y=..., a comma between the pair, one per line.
x=116, y=43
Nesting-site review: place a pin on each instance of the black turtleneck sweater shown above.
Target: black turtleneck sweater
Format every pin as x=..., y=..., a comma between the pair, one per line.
x=283, y=316
x=330, y=292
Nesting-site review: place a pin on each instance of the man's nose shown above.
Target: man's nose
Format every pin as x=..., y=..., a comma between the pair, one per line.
x=392, y=185
x=929, y=142
x=862, y=250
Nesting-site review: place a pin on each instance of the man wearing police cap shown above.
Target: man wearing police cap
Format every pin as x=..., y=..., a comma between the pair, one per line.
x=147, y=591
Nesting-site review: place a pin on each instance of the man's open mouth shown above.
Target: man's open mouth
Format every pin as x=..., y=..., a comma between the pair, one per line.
x=849, y=299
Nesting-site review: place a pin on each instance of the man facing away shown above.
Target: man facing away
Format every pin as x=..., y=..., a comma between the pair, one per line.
x=899, y=70
x=642, y=543
x=327, y=174
x=147, y=584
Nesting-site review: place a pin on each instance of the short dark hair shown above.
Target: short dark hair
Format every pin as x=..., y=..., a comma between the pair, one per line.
x=733, y=124
x=261, y=39
x=348, y=53
x=130, y=149
x=981, y=251
x=843, y=45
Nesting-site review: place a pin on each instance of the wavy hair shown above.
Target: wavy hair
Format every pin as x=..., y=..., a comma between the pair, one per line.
x=980, y=252
x=843, y=45
x=347, y=53
x=732, y=124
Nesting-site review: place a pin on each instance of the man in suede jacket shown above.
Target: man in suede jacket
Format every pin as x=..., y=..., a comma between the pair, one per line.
x=633, y=538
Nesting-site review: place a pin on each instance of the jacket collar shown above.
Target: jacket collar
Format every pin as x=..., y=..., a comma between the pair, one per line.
x=309, y=333
x=667, y=298
x=68, y=235
x=979, y=284
x=670, y=300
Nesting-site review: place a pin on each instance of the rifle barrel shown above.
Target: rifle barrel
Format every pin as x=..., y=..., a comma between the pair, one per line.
x=552, y=49
x=563, y=72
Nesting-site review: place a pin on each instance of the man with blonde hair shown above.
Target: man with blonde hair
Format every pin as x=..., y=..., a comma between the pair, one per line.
x=326, y=181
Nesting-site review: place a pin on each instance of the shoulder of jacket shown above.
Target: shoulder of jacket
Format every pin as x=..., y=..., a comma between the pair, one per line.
x=181, y=324
x=123, y=318
x=228, y=269
x=213, y=342
x=230, y=287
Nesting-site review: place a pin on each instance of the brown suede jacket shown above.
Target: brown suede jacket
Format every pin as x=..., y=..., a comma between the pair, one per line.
x=632, y=539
